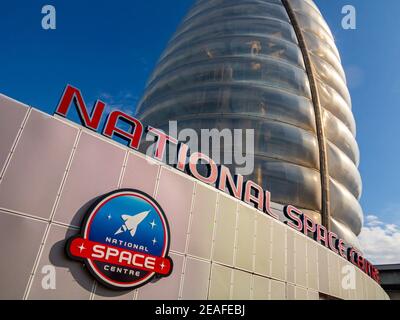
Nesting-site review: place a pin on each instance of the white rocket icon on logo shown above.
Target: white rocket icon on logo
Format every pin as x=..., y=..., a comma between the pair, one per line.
x=132, y=222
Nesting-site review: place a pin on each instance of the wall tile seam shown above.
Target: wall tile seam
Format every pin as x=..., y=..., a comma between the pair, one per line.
x=234, y=251
x=52, y=213
x=190, y=220
x=269, y=289
x=182, y=274
x=317, y=265
x=213, y=242
x=90, y=132
x=122, y=173
x=254, y=243
x=231, y=288
x=251, y=294
x=217, y=220
x=271, y=239
x=65, y=176
x=93, y=290
x=36, y=263
x=187, y=238
x=209, y=281
x=216, y=206
x=24, y=215
x=307, y=266
x=248, y=272
x=14, y=144
x=157, y=183
x=286, y=254
x=181, y=281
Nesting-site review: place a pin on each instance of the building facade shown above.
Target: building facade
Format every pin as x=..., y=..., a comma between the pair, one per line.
x=390, y=279
x=271, y=66
x=52, y=169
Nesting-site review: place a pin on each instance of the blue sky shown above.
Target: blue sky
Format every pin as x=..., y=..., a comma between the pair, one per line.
x=108, y=51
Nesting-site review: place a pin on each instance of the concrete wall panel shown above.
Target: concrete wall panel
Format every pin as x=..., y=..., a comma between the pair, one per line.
x=221, y=248
x=36, y=170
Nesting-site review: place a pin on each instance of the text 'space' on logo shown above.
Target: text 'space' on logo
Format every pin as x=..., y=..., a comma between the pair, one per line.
x=124, y=240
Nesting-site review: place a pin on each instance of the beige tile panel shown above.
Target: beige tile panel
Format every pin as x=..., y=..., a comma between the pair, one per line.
x=73, y=281
x=290, y=291
x=312, y=265
x=245, y=238
x=301, y=260
x=261, y=288
x=312, y=295
x=174, y=194
x=242, y=282
x=334, y=274
x=165, y=288
x=279, y=251
x=95, y=170
x=323, y=270
x=20, y=240
x=140, y=173
x=12, y=114
x=301, y=293
x=202, y=222
x=103, y=293
x=263, y=246
x=225, y=230
x=36, y=170
x=196, y=279
x=291, y=256
x=220, y=283
x=278, y=290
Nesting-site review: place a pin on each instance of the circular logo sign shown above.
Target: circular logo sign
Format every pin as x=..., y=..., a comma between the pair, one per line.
x=124, y=240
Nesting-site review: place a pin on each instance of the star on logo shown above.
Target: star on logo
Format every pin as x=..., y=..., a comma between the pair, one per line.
x=109, y=217
x=162, y=265
x=154, y=241
x=81, y=248
x=153, y=224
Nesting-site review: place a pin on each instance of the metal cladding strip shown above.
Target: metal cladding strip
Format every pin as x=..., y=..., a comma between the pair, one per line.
x=325, y=210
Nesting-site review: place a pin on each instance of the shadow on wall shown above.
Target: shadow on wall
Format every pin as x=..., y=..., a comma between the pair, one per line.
x=58, y=257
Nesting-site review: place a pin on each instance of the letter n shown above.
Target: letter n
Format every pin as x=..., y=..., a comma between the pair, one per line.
x=72, y=94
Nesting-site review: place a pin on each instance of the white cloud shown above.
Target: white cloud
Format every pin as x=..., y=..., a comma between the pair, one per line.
x=372, y=220
x=380, y=241
x=123, y=101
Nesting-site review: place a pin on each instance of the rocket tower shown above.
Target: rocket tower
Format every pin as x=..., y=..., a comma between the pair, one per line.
x=271, y=66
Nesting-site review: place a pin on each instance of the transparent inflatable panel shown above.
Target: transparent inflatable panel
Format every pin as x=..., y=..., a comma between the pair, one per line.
x=343, y=170
x=308, y=24
x=335, y=104
x=273, y=139
x=268, y=72
x=234, y=10
x=345, y=208
x=245, y=100
x=231, y=46
x=345, y=233
x=306, y=8
x=201, y=6
x=338, y=134
x=290, y=183
x=325, y=52
x=237, y=27
x=328, y=75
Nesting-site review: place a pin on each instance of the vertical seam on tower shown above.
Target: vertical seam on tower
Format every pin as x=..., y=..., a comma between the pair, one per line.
x=325, y=210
